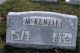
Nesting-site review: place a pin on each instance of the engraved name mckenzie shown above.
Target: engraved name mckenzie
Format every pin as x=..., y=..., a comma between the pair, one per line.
x=42, y=21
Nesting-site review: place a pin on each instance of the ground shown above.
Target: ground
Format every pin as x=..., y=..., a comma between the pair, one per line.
x=28, y=5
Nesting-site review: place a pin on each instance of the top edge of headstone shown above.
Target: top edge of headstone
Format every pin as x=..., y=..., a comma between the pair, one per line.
x=46, y=0
x=44, y=12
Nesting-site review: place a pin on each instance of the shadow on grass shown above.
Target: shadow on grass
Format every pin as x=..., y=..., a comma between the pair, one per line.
x=9, y=49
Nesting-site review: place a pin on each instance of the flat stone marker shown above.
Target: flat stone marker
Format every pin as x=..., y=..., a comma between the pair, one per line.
x=42, y=30
x=46, y=0
x=73, y=1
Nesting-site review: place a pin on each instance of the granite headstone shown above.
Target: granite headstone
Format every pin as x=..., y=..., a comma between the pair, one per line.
x=42, y=30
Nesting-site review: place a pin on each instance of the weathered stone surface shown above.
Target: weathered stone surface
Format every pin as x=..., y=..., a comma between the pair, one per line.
x=39, y=29
x=73, y=1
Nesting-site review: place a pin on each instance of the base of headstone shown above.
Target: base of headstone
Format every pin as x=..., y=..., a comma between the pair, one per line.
x=39, y=46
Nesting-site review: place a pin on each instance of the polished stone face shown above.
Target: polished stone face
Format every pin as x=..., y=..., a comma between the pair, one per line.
x=45, y=0
x=73, y=1
x=39, y=29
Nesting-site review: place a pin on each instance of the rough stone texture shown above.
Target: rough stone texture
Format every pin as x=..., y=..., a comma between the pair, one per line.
x=22, y=34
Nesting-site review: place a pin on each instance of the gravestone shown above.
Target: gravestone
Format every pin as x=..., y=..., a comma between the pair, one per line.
x=42, y=30
x=46, y=0
x=73, y=1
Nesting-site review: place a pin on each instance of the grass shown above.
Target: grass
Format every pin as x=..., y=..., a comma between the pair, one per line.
x=28, y=5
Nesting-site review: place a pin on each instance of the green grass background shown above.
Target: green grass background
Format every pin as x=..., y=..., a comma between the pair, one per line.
x=28, y=5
